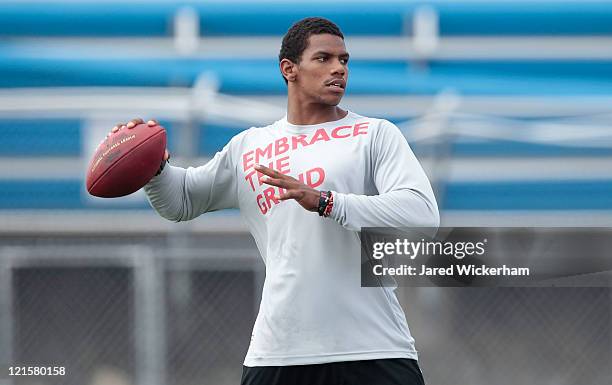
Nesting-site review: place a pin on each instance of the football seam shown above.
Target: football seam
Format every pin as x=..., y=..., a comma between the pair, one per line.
x=122, y=156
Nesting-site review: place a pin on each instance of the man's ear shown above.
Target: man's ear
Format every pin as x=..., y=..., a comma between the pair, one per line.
x=288, y=69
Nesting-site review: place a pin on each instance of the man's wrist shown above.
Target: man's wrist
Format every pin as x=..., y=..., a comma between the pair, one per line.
x=326, y=203
x=161, y=167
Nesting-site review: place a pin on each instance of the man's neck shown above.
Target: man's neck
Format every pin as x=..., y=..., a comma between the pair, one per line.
x=313, y=114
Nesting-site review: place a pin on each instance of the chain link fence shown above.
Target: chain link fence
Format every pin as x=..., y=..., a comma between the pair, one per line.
x=548, y=336
x=167, y=310
x=81, y=318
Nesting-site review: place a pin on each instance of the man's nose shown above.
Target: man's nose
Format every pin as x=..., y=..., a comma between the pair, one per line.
x=339, y=68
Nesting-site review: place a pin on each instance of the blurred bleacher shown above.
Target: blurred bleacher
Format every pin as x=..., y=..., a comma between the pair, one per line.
x=507, y=103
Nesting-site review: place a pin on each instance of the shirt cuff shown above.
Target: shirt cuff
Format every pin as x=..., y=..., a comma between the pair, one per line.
x=337, y=213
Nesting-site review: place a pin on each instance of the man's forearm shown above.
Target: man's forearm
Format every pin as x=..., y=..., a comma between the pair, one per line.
x=399, y=208
x=166, y=194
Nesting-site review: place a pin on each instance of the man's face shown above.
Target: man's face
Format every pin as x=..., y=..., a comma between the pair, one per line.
x=323, y=69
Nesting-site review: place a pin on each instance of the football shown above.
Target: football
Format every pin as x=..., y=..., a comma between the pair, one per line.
x=126, y=160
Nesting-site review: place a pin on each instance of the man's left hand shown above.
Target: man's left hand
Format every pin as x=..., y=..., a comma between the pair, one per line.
x=305, y=195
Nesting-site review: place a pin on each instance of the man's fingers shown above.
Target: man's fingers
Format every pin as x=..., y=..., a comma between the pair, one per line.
x=166, y=155
x=277, y=182
x=273, y=173
x=290, y=194
x=117, y=127
x=134, y=122
x=268, y=171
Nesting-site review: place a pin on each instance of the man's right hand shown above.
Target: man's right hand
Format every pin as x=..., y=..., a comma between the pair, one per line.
x=133, y=123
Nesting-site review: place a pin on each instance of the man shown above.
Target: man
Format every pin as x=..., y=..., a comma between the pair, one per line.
x=305, y=185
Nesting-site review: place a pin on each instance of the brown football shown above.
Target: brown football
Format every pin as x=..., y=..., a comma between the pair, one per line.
x=126, y=160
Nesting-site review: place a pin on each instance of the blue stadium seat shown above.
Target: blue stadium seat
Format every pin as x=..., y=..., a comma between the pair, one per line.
x=62, y=138
x=29, y=66
x=387, y=18
x=40, y=137
x=529, y=195
x=516, y=195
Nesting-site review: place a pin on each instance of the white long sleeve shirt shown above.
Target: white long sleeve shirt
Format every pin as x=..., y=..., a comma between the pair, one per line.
x=313, y=308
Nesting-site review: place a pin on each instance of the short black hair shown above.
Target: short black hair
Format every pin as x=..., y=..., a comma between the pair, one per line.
x=295, y=40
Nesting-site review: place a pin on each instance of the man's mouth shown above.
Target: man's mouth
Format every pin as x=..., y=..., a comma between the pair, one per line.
x=338, y=84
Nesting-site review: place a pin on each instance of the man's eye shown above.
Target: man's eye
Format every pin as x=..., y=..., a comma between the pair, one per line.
x=321, y=59
x=343, y=61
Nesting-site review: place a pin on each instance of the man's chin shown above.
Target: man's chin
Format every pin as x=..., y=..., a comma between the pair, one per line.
x=331, y=101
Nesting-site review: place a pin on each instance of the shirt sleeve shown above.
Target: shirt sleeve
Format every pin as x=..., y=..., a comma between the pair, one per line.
x=180, y=194
x=405, y=197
